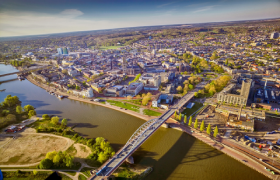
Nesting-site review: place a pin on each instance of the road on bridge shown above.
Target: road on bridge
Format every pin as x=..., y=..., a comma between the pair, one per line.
x=139, y=137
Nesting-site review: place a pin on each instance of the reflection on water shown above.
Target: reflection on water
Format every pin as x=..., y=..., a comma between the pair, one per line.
x=173, y=154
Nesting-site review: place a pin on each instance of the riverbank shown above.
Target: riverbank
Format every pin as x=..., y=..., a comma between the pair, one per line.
x=69, y=96
x=235, y=156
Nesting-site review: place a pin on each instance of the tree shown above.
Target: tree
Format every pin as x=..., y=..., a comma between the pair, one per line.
x=64, y=71
x=35, y=172
x=180, y=117
x=179, y=89
x=19, y=109
x=64, y=122
x=90, y=142
x=185, y=119
x=69, y=161
x=55, y=120
x=190, y=121
x=202, y=126
x=45, y=116
x=196, y=124
x=31, y=113
x=208, y=129
x=175, y=114
x=51, y=155
x=99, y=140
x=190, y=86
x=46, y=164
x=102, y=157
x=78, y=87
x=28, y=107
x=57, y=159
x=216, y=131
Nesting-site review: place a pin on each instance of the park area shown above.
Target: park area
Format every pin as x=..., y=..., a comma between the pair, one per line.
x=189, y=111
x=29, y=148
x=124, y=105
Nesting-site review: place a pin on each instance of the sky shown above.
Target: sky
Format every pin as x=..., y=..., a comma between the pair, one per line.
x=34, y=17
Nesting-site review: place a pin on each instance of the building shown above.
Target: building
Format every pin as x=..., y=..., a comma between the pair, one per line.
x=114, y=91
x=65, y=50
x=73, y=72
x=134, y=88
x=88, y=93
x=59, y=50
x=150, y=80
x=124, y=65
x=231, y=96
x=274, y=35
x=163, y=99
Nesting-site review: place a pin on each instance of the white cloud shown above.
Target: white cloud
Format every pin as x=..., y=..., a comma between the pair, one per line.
x=205, y=8
x=162, y=5
x=72, y=12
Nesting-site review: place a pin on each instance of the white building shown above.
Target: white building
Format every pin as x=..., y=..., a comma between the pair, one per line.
x=88, y=93
x=134, y=88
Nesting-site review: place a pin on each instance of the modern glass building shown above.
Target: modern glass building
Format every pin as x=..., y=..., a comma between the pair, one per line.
x=65, y=50
x=59, y=50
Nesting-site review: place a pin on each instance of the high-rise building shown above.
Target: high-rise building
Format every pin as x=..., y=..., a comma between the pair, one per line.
x=124, y=65
x=274, y=35
x=65, y=50
x=59, y=50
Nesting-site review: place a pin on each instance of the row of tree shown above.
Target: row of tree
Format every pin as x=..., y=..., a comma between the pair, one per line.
x=202, y=125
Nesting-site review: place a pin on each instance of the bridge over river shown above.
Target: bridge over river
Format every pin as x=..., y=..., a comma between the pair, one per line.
x=24, y=71
x=139, y=137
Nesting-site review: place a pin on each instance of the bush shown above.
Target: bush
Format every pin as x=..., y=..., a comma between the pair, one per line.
x=46, y=117
x=46, y=164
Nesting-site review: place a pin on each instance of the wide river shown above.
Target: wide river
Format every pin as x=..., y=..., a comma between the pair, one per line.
x=172, y=153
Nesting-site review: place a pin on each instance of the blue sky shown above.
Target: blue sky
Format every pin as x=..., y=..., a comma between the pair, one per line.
x=30, y=17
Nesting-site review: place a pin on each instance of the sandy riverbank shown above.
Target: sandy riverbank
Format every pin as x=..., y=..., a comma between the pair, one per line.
x=174, y=124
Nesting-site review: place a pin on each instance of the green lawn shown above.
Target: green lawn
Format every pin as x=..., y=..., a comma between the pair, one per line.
x=86, y=171
x=195, y=107
x=82, y=177
x=109, y=47
x=135, y=101
x=151, y=113
x=124, y=105
x=72, y=173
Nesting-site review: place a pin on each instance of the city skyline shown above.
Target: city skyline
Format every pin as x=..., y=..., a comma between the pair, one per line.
x=30, y=17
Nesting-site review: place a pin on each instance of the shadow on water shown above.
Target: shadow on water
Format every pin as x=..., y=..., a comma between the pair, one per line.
x=83, y=125
x=24, y=100
x=50, y=112
x=175, y=156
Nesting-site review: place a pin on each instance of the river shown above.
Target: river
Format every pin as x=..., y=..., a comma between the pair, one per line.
x=173, y=154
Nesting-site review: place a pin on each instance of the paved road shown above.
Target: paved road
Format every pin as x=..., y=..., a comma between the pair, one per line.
x=141, y=135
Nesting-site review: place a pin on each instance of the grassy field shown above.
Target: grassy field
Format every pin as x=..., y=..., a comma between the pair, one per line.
x=109, y=47
x=124, y=105
x=195, y=107
x=135, y=101
x=82, y=177
x=151, y=113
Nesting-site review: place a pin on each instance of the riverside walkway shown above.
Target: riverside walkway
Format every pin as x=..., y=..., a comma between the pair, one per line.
x=139, y=137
